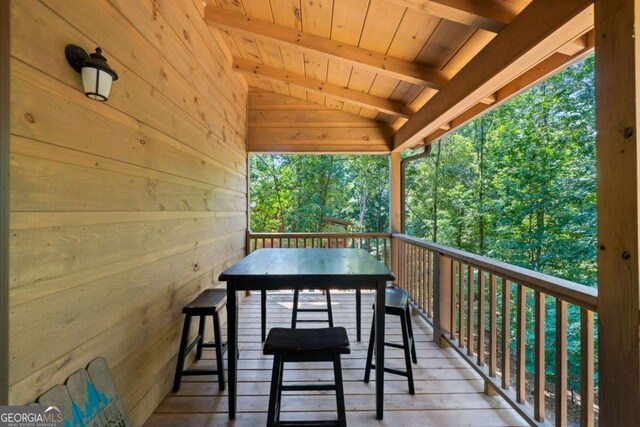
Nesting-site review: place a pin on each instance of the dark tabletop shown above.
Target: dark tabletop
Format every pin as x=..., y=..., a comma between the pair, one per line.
x=308, y=263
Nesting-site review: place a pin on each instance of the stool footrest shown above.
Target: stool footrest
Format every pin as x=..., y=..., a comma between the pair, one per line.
x=312, y=320
x=192, y=372
x=393, y=344
x=294, y=423
x=308, y=387
x=213, y=345
x=192, y=344
x=393, y=371
x=313, y=310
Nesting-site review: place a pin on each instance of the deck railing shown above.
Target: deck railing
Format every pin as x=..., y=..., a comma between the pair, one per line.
x=484, y=308
x=463, y=294
x=377, y=244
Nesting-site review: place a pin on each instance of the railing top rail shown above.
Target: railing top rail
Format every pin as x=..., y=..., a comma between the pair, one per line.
x=574, y=293
x=317, y=235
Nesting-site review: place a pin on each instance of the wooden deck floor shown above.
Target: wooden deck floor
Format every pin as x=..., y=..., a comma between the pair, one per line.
x=448, y=392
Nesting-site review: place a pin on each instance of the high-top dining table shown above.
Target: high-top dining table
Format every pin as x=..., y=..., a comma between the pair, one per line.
x=277, y=269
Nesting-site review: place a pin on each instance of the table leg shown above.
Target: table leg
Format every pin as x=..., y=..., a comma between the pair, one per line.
x=263, y=314
x=232, y=342
x=358, y=313
x=380, y=304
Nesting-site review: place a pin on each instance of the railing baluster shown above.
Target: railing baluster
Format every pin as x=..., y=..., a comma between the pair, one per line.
x=481, y=329
x=425, y=281
x=539, y=361
x=586, y=369
x=561, y=363
x=521, y=351
x=506, y=333
x=453, y=298
x=461, y=305
x=493, y=325
x=430, y=279
x=470, y=301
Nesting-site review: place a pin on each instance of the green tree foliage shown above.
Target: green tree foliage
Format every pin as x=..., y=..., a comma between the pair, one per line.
x=519, y=185
x=296, y=193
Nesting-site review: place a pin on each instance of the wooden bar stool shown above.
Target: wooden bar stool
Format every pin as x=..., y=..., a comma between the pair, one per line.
x=397, y=304
x=306, y=345
x=208, y=303
x=294, y=316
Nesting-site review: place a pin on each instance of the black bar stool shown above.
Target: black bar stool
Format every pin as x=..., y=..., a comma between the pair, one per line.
x=306, y=345
x=208, y=303
x=294, y=316
x=397, y=304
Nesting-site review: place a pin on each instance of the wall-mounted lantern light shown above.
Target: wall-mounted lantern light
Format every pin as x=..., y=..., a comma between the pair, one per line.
x=97, y=76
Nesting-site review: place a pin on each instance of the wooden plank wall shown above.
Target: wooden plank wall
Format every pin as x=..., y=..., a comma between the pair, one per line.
x=121, y=212
x=282, y=124
x=4, y=200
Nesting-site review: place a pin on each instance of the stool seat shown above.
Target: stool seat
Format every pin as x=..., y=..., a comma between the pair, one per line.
x=285, y=340
x=396, y=298
x=305, y=345
x=208, y=302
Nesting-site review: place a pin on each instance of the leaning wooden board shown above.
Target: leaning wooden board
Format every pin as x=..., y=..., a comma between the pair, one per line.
x=89, y=398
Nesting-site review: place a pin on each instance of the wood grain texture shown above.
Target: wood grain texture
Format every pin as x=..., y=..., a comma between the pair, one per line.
x=5, y=23
x=285, y=124
x=541, y=29
x=121, y=211
x=447, y=391
x=618, y=172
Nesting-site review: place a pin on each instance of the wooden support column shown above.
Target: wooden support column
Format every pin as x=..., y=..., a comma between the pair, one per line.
x=617, y=123
x=395, y=206
x=5, y=18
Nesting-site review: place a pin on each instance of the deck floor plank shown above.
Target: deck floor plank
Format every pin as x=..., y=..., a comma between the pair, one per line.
x=448, y=392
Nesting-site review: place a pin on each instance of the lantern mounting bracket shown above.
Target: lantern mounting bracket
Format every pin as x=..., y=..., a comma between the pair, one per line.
x=75, y=56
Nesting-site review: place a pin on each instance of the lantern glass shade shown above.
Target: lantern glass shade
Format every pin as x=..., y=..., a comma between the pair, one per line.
x=96, y=82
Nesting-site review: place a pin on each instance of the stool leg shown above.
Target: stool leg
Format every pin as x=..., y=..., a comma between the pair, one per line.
x=372, y=339
x=329, y=310
x=294, y=314
x=414, y=356
x=337, y=373
x=263, y=314
x=358, y=314
x=201, y=340
x=407, y=353
x=276, y=376
x=217, y=335
x=183, y=345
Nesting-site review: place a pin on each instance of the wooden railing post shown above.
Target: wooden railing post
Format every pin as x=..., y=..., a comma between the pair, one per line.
x=441, y=297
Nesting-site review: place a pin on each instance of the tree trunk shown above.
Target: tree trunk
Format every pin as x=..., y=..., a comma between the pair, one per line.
x=435, y=194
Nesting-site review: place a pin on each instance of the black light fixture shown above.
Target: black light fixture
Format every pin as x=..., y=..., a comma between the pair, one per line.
x=97, y=76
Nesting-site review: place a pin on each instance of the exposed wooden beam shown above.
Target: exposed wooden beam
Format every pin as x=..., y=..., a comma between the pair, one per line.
x=541, y=71
x=536, y=33
x=488, y=15
x=343, y=94
x=352, y=55
x=618, y=172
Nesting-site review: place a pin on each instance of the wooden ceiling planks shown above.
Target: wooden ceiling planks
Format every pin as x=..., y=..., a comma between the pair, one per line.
x=443, y=35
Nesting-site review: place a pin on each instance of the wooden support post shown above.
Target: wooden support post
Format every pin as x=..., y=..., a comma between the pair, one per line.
x=5, y=18
x=395, y=206
x=442, y=267
x=617, y=122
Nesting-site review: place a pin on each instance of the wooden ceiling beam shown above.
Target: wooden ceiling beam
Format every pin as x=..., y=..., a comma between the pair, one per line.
x=382, y=64
x=535, y=75
x=356, y=97
x=535, y=34
x=488, y=15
